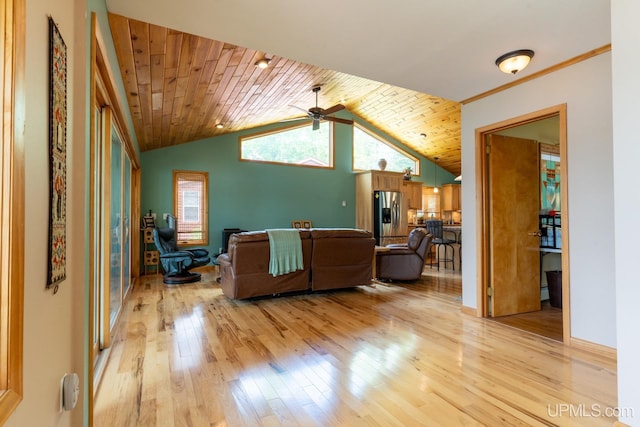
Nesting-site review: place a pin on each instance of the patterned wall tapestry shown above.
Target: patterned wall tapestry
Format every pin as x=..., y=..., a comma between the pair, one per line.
x=57, y=157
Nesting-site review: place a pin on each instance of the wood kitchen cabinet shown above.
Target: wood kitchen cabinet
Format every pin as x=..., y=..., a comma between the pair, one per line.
x=430, y=202
x=412, y=191
x=450, y=199
x=368, y=182
x=385, y=181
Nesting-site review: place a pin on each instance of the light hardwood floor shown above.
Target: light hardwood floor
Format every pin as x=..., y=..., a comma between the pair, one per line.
x=389, y=355
x=546, y=322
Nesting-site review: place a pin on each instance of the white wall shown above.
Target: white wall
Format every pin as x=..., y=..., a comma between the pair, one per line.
x=53, y=324
x=626, y=155
x=586, y=89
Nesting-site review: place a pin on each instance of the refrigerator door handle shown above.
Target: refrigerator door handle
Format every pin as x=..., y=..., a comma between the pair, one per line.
x=396, y=214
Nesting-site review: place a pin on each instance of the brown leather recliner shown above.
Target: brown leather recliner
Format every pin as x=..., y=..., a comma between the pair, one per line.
x=405, y=261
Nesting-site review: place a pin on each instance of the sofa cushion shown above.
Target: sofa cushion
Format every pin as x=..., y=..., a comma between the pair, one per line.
x=329, y=233
x=341, y=258
x=254, y=236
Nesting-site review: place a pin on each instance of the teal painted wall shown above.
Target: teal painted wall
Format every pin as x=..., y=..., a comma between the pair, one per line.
x=255, y=196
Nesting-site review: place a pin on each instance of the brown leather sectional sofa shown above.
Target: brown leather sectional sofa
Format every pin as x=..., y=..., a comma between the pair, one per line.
x=333, y=258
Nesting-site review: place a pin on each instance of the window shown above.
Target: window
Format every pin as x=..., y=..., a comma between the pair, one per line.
x=296, y=145
x=190, y=206
x=369, y=148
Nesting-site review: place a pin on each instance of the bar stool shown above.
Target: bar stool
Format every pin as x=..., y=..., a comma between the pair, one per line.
x=434, y=226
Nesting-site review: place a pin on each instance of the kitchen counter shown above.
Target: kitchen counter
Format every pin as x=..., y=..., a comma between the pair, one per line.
x=453, y=228
x=456, y=226
x=456, y=229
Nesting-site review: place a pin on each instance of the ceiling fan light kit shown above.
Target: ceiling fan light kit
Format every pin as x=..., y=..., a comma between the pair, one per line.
x=317, y=114
x=514, y=61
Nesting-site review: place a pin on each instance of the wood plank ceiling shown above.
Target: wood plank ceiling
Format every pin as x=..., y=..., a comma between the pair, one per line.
x=180, y=86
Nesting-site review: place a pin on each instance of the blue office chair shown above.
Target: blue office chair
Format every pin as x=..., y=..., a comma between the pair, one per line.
x=175, y=262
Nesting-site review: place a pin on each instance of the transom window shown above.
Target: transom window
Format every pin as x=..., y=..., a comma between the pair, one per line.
x=190, y=205
x=369, y=148
x=297, y=145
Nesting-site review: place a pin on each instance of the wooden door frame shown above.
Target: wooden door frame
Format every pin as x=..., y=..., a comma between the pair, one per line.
x=482, y=196
x=12, y=204
x=102, y=83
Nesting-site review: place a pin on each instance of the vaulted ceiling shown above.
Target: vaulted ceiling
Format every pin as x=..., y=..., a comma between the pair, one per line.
x=180, y=87
x=189, y=65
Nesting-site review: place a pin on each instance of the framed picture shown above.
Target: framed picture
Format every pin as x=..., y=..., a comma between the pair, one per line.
x=296, y=224
x=57, y=268
x=306, y=224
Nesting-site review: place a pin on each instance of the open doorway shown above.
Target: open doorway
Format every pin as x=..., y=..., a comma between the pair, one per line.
x=517, y=200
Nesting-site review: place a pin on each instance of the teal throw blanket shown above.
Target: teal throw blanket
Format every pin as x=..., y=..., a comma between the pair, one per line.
x=286, y=251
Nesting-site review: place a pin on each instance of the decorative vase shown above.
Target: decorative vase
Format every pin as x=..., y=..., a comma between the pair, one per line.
x=382, y=164
x=407, y=177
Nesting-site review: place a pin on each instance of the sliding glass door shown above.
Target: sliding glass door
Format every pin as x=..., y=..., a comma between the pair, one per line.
x=111, y=223
x=114, y=170
x=115, y=229
x=126, y=224
x=96, y=230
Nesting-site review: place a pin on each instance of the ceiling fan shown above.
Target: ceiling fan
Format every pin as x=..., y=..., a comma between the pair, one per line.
x=317, y=114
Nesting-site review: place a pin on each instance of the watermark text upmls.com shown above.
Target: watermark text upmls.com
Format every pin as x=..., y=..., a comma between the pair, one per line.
x=587, y=411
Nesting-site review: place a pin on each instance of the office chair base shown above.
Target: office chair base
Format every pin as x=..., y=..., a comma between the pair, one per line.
x=180, y=278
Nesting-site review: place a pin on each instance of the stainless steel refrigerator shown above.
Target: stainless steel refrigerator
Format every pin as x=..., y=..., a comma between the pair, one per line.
x=389, y=217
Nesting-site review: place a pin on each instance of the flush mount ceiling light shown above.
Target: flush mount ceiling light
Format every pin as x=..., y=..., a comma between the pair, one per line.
x=219, y=126
x=515, y=61
x=262, y=63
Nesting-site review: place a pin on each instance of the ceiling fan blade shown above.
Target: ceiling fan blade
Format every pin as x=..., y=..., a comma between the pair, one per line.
x=316, y=124
x=293, y=119
x=301, y=109
x=333, y=109
x=338, y=120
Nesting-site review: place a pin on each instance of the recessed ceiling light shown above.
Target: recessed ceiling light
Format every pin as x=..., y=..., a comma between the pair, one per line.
x=262, y=63
x=423, y=135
